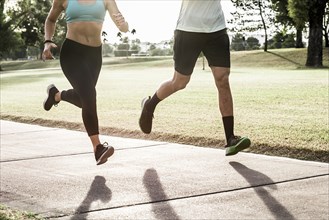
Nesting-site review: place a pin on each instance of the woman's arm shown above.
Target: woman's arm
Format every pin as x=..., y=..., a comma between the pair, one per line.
x=116, y=16
x=54, y=13
x=50, y=26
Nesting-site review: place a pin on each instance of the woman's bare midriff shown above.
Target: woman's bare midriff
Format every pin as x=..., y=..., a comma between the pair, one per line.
x=85, y=32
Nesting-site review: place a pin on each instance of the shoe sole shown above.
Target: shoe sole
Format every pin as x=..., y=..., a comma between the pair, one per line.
x=44, y=102
x=139, y=122
x=108, y=153
x=240, y=146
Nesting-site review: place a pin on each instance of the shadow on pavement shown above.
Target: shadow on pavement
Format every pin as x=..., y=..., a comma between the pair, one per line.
x=156, y=192
x=256, y=178
x=98, y=191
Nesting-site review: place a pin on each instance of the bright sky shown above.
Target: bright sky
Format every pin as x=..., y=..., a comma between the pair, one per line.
x=154, y=20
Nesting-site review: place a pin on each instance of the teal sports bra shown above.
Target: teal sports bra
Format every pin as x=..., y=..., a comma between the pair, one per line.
x=76, y=11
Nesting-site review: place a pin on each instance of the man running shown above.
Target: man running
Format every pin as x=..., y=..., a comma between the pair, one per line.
x=200, y=28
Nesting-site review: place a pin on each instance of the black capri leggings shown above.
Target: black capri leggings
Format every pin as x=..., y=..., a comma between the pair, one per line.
x=81, y=65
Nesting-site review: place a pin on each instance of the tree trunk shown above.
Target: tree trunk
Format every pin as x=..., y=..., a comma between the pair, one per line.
x=264, y=24
x=299, y=39
x=314, y=51
x=326, y=38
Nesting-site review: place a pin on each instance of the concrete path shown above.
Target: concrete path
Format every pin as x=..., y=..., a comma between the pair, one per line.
x=52, y=172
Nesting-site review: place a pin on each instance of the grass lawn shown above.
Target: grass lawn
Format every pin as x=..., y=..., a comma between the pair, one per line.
x=279, y=104
x=7, y=213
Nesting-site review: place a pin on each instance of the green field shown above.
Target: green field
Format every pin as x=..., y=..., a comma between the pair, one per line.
x=7, y=213
x=279, y=104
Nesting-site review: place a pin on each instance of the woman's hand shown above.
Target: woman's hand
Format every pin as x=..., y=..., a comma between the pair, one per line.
x=121, y=22
x=46, y=54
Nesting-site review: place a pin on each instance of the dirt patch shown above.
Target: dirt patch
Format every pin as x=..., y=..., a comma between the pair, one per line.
x=257, y=147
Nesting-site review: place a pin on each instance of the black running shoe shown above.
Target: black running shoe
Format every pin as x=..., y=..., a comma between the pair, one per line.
x=236, y=144
x=103, y=151
x=145, y=121
x=50, y=100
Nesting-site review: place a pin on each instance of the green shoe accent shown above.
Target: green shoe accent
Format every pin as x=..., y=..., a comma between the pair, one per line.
x=242, y=144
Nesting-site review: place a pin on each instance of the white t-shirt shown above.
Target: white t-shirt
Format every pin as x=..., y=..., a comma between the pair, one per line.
x=204, y=16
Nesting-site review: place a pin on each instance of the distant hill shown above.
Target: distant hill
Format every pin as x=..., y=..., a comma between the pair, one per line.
x=279, y=58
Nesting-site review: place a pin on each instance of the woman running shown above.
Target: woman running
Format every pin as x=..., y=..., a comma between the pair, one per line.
x=81, y=59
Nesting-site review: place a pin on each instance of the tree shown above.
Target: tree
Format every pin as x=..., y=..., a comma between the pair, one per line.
x=135, y=47
x=33, y=25
x=10, y=40
x=238, y=42
x=282, y=17
x=152, y=47
x=27, y=17
x=298, y=13
x=252, y=43
x=282, y=40
x=289, y=41
x=104, y=35
x=315, y=50
x=107, y=49
x=326, y=26
x=124, y=46
x=313, y=12
x=251, y=16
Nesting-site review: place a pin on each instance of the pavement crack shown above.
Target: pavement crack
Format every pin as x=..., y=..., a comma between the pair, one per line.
x=192, y=196
x=28, y=132
x=77, y=154
x=223, y=191
x=43, y=157
x=145, y=146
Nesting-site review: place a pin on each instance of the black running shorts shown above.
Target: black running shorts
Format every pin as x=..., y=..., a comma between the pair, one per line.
x=188, y=46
